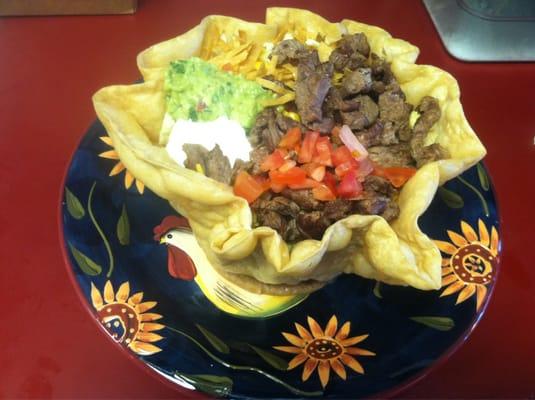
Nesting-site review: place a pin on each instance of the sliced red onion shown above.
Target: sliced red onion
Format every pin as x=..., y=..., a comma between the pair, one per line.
x=352, y=143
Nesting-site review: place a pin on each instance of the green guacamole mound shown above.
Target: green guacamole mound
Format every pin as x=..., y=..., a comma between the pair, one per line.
x=198, y=90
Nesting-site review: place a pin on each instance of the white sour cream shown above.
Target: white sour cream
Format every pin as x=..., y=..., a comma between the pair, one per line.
x=227, y=133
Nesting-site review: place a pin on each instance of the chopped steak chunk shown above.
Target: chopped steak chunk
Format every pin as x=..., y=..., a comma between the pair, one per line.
x=214, y=163
x=313, y=84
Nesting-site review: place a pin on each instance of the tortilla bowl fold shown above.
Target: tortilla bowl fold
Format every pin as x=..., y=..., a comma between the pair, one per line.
x=258, y=258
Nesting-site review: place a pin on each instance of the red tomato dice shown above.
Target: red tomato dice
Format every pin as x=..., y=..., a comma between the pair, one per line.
x=341, y=155
x=294, y=175
x=306, y=184
x=273, y=161
x=324, y=148
x=330, y=181
x=323, y=193
x=349, y=187
x=291, y=138
x=306, y=152
x=247, y=187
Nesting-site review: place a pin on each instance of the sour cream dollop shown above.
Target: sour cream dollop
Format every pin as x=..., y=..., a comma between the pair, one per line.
x=227, y=133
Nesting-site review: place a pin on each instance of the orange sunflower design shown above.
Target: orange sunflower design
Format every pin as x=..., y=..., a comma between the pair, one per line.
x=471, y=262
x=327, y=349
x=126, y=318
x=119, y=167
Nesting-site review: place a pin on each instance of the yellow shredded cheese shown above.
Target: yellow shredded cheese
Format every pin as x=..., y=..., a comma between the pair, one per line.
x=199, y=168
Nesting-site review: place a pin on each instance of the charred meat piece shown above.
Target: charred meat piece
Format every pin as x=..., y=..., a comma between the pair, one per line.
x=373, y=205
x=313, y=223
x=363, y=117
x=376, y=184
x=326, y=125
x=357, y=81
x=337, y=209
x=392, y=107
x=258, y=155
x=269, y=128
x=292, y=233
x=371, y=136
x=391, y=211
x=351, y=52
x=214, y=163
x=334, y=102
x=430, y=113
x=289, y=51
x=313, y=84
x=397, y=155
x=271, y=219
x=304, y=199
x=278, y=204
x=381, y=70
x=378, y=205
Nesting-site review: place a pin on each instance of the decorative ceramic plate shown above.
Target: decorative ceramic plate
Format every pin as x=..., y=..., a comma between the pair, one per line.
x=125, y=249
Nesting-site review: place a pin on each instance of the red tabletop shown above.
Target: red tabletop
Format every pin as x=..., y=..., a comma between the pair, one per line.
x=50, y=67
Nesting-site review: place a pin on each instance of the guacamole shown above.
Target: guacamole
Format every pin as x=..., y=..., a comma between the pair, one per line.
x=199, y=91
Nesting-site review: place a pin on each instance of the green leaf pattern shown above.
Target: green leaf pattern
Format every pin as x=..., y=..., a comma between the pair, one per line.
x=123, y=228
x=438, y=323
x=74, y=207
x=452, y=199
x=214, y=385
x=216, y=343
x=88, y=266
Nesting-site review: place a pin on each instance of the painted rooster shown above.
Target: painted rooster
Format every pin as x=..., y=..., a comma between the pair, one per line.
x=187, y=261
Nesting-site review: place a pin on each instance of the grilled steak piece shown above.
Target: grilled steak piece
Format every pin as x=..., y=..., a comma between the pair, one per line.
x=351, y=52
x=289, y=50
x=376, y=184
x=304, y=199
x=313, y=223
x=269, y=127
x=257, y=156
x=214, y=163
x=397, y=155
x=357, y=81
x=429, y=114
x=364, y=116
x=381, y=70
x=392, y=107
x=337, y=209
x=313, y=84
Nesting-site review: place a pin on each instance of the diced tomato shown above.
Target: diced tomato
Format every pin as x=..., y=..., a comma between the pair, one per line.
x=349, y=187
x=291, y=138
x=324, y=148
x=262, y=181
x=277, y=188
x=314, y=170
x=342, y=169
x=247, y=187
x=318, y=173
x=273, y=161
x=293, y=176
x=306, y=184
x=309, y=167
x=341, y=155
x=330, y=181
x=307, y=147
x=288, y=164
x=398, y=176
x=323, y=193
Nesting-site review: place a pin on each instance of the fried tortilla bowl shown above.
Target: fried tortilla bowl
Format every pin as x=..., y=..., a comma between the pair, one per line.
x=257, y=258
